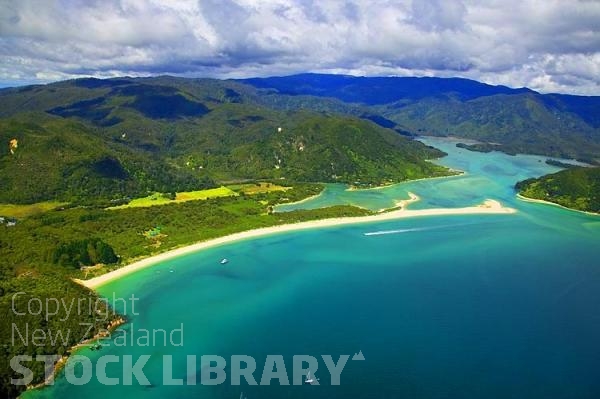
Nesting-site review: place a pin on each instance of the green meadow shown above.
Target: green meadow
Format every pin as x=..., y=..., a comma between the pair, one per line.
x=165, y=198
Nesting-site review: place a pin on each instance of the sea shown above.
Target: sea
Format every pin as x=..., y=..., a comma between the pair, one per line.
x=431, y=307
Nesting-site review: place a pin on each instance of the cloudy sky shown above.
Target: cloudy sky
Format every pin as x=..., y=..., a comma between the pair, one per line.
x=548, y=45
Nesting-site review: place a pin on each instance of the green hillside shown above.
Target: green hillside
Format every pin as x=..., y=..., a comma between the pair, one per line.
x=518, y=123
x=65, y=159
x=92, y=139
x=502, y=118
x=576, y=188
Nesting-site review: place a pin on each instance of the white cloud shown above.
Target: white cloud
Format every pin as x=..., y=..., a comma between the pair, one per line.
x=550, y=46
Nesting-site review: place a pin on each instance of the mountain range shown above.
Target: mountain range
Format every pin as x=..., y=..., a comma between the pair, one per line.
x=117, y=138
x=506, y=119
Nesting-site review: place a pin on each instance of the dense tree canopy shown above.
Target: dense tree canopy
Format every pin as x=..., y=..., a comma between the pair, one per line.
x=576, y=188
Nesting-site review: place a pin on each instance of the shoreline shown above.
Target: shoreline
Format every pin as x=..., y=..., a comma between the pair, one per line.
x=300, y=201
x=401, y=204
x=487, y=207
x=539, y=201
x=383, y=187
x=62, y=362
x=350, y=187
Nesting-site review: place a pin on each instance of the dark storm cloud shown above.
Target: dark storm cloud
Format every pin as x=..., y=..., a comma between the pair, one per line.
x=550, y=46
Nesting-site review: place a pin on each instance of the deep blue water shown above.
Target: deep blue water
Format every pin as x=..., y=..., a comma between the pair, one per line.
x=479, y=306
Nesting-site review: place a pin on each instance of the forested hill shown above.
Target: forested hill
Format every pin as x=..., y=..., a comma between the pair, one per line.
x=576, y=188
x=512, y=120
x=120, y=138
x=379, y=90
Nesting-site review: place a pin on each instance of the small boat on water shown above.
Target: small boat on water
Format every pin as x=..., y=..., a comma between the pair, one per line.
x=242, y=396
x=224, y=261
x=309, y=379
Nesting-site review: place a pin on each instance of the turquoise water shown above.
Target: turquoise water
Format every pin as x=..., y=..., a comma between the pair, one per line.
x=479, y=306
x=487, y=175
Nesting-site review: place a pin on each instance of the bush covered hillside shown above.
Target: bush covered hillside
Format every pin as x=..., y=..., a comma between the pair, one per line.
x=505, y=119
x=90, y=139
x=576, y=188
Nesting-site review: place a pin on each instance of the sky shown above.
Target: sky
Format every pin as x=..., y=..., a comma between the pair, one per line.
x=546, y=45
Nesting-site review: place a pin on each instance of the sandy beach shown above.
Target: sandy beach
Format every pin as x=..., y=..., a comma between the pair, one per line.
x=487, y=207
x=539, y=201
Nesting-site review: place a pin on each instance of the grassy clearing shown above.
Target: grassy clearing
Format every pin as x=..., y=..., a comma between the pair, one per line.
x=21, y=211
x=204, y=194
x=258, y=188
x=163, y=199
x=151, y=200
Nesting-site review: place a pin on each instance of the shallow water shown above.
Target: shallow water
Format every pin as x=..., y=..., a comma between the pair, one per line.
x=491, y=175
x=463, y=306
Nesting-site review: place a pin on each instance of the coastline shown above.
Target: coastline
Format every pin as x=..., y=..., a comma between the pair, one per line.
x=487, y=207
x=62, y=362
x=539, y=201
x=382, y=187
x=401, y=204
x=302, y=200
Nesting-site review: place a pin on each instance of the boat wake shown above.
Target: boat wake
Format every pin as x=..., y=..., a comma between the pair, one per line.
x=401, y=231
x=384, y=232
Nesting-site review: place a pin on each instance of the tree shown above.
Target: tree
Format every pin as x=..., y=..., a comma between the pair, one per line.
x=88, y=252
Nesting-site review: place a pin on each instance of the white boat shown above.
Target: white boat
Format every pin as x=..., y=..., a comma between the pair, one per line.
x=224, y=260
x=242, y=396
x=309, y=379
